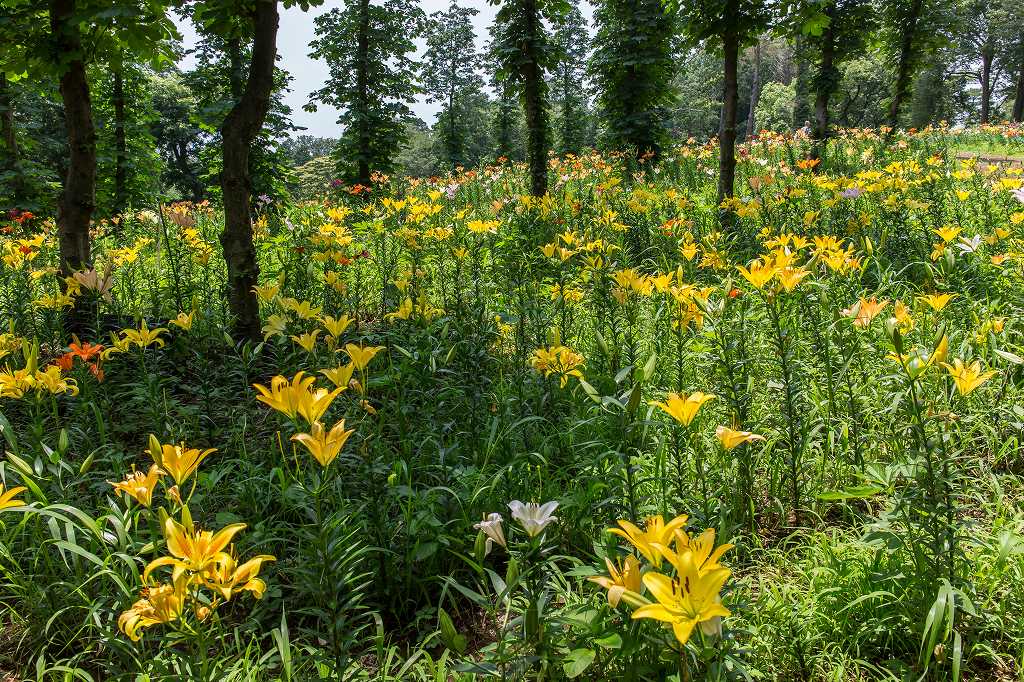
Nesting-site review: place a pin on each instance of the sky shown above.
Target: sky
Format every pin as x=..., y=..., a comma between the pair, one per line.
x=294, y=35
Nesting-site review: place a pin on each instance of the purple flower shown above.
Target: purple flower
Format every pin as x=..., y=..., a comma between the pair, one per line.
x=263, y=199
x=851, y=193
x=335, y=183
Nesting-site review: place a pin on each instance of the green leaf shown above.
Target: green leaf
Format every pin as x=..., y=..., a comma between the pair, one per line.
x=577, y=661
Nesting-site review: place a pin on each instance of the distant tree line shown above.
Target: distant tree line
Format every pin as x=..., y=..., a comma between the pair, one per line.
x=97, y=115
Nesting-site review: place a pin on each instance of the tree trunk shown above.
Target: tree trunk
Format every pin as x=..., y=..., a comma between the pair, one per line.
x=363, y=86
x=755, y=90
x=454, y=152
x=240, y=128
x=801, y=110
x=827, y=80
x=987, y=55
x=120, y=145
x=901, y=88
x=1018, y=100
x=78, y=198
x=533, y=102
x=10, y=141
x=236, y=71
x=727, y=134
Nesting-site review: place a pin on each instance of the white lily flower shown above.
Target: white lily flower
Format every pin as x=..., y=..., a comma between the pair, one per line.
x=491, y=526
x=969, y=245
x=533, y=517
x=1018, y=194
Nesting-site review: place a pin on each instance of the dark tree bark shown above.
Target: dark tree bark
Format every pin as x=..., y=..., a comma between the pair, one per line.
x=504, y=144
x=363, y=86
x=908, y=40
x=240, y=128
x=826, y=82
x=12, y=154
x=236, y=71
x=78, y=198
x=120, y=145
x=1018, y=100
x=727, y=134
x=755, y=90
x=801, y=108
x=534, y=104
x=987, y=55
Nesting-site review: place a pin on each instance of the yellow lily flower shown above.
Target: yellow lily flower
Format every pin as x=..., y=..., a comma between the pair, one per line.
x=361, y=355
x=683, y=408
x=267, y=292
x=560, y=360
x=307, y=340
x=159, y=604
x=192, y=550
x=303, y=309
x=285, y=396
x=275, y=326
x=184, y=320
x=143, y=337
x=790, y=277
x=936, y=301
x=688, y=600
x=656, y=532
x=621, y=579
x=482, y=226
x=322, y=444
x=759, y=273
x=336, y=326
x=967, y=377
x=7, y=500
x=731, y=438
x=701, y=548
x=51, y=380
x=177, y=460
x=403, y=312
x=947, y=233
x=340, y=376
x=139, y=486
x=226, y=577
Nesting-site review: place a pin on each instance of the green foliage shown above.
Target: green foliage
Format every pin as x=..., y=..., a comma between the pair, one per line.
x=367, y=47
x=142, y=164
x=570, y=85
x=451, y=76
x=775, y=107
x=634, y=65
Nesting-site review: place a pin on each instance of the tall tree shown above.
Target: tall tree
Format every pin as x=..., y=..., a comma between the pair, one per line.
x=506, y=121
x=177, y=134
x=368, y=48
x=730, y=25
x=58, y=39
x=569, y=86
x=235, y=21
x=634, y=65
x=524, y=51
x=755, y=90
x=833, y=31
x=912, y=30
x=451, y=76
x=977, y=34
x=1007, y=19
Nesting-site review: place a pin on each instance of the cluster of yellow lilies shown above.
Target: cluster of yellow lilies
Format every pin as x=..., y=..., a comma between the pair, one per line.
x=679, y=570
x=299, y=397
x=205, y=571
